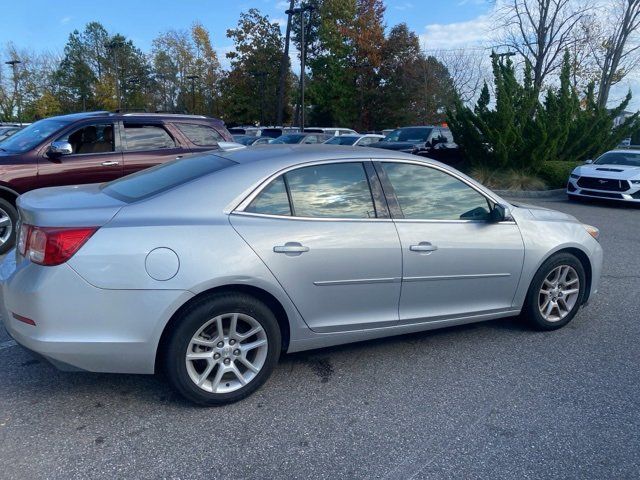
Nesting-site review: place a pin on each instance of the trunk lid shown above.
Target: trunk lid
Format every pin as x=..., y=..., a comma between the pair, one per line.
x=70, y=206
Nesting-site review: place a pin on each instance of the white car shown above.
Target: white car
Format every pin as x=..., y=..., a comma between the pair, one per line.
x=355, y=140
x=614, y=175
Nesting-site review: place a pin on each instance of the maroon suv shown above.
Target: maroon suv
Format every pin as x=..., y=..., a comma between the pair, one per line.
x=94, y=147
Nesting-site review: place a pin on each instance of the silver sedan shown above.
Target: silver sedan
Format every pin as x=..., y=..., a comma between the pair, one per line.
x=209, y=267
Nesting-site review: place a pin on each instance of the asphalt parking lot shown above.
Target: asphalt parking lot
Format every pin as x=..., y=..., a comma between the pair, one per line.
x=491, y=400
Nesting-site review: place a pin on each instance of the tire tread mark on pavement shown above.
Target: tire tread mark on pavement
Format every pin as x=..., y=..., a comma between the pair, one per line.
x=8, y=344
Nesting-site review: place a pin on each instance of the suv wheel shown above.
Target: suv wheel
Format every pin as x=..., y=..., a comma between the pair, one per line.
x=8, y=220
x=223, y=349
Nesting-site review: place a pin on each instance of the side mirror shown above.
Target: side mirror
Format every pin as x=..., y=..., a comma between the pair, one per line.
x=588, y=161
x=499, y=213
x=60, y=148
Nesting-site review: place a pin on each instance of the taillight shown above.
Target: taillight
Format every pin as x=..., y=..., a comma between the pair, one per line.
x=52, y=245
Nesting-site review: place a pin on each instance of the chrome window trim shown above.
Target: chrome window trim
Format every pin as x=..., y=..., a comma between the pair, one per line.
x=240, y=208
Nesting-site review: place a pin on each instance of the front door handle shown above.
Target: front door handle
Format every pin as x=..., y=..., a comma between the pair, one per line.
x=110, y=163
x=178, y=157
x=291, y=248
x=423, y=247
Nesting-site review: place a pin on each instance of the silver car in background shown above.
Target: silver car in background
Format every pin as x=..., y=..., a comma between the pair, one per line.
x=615, y=175
x=209, y=267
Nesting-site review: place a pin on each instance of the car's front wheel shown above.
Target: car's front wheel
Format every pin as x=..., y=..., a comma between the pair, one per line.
x=8, y=220
x=556, y=292
x=222, y=349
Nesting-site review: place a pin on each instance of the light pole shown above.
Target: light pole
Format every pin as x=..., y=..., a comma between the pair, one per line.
x=303, y=55
x=114, y=45
x=284, y=62
x=14, y=66
x=261, y=79
x=193, y=79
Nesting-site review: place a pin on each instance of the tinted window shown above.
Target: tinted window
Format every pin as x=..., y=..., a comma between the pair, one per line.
x=290, y=139
x=96, y=138
x=338, y=190
x=160, y=178
x=146, y=137
x=409, y=135
x=201, y=135
x=342, y=140
x=31, y=136
x=273, y=200
x=429, y=194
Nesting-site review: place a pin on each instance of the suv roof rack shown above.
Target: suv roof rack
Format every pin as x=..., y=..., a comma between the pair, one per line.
x=182, y=115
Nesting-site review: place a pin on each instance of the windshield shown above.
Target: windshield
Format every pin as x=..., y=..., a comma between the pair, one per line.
x=163, y=177
x=244, y=139
x=409, y=135
x=296, y=138
x=31, y=136
x=342, y=140
x=629, y=158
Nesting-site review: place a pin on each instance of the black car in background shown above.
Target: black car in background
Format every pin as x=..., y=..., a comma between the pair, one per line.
x=427, y=141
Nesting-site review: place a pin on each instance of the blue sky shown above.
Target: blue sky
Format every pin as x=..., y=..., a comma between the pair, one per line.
x=45, y=25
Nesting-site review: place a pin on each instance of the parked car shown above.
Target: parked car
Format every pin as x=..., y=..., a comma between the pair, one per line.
x=250, y=140
x=252, y=131
x=432, y=142
x=6, y=132
x=209, y=267
x=331, y=130
x=93, y=147
x=355, y=140
x=275, y=132
x=302, y=138
x=614, y=175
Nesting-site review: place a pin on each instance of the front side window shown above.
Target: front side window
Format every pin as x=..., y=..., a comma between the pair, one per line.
x=140, y=136
x=200, y=135
x=339, y=190
x=426, y=193
x=97, y=138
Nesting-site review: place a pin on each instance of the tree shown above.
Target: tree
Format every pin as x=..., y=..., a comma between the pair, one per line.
x=562, y=127
x=609, y=39
x=540, y=31
x=250, y=87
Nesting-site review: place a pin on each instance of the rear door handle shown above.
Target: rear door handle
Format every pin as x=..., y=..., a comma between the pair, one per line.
x=423, y=247
x=291, y=248
x=110, y=163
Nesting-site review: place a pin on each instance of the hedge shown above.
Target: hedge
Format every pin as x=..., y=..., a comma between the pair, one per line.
x=556, y=173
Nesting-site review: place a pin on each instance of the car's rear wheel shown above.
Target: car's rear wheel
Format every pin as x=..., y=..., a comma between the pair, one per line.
x=222, y=349
x=8, y=220
x=556, y=292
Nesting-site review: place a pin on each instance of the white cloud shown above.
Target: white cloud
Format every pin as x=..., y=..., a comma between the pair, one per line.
x=404, y=6
x=471, y=33
x=65, y=20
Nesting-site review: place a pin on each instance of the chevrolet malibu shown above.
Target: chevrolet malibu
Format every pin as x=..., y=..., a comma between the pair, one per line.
x=209, y=267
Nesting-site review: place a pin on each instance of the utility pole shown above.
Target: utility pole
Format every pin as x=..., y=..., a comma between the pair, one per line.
x=283, y=67
x=261, y=82
x=193, y=79
x=113, y=46
x=303, y=55
x=502, y=55
x=14, y=66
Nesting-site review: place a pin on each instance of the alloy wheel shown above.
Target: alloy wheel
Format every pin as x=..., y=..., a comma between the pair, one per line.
x=226, y=353
x=6, y=227
x=559, y=293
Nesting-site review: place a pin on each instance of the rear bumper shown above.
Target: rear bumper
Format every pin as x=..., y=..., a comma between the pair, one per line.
x=79, y=326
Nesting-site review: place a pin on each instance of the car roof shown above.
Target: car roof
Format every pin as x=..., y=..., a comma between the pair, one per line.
x=125, y=115
x=624, y=150
x=289, y=155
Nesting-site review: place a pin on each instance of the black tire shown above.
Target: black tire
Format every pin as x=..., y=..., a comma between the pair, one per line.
x=531, y=310
x=197, y=315
x=8, y=210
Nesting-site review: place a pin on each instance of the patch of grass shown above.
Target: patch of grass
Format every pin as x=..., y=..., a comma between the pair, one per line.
x=507, y=179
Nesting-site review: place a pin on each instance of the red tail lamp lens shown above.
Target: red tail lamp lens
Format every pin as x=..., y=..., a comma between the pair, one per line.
x=52, y=245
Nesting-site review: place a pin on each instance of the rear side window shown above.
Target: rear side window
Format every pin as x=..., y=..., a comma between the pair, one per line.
x=200, y=135
x=140, y=136
x=339, y=190
x=166, y=176
x=273, y=200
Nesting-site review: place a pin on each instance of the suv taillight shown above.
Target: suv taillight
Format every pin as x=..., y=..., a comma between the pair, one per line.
x=52, y=245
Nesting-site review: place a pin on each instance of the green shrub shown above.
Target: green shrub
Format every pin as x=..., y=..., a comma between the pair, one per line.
x=556, y=173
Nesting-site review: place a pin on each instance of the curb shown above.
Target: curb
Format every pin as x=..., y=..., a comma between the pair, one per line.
x=532, y=193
